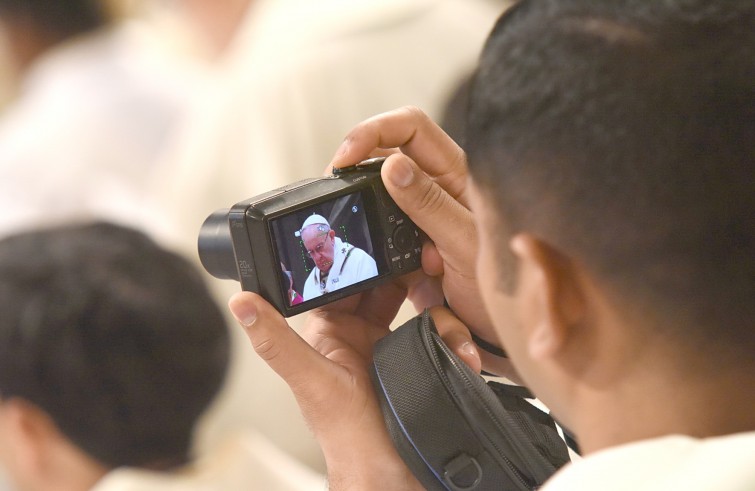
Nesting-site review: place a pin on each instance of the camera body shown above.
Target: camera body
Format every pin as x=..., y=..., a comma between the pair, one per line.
x=314, y=241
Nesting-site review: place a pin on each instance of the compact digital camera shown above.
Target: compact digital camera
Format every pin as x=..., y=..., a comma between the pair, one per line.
x=314, y=241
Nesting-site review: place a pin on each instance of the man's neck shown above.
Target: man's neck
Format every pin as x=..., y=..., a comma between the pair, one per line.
x=70, y=469
x=693, y=403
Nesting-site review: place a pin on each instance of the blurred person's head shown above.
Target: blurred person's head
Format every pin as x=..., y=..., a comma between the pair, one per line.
x=111, y=348
x=216, y=23
x=612, y=153
x=33, y=26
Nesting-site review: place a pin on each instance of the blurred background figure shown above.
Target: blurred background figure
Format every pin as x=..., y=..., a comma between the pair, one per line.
x=204, y=28
x=300, y=74
x=111, y=349
x=287, y=278
x=98, y=90
x=96, y=100
x=6, y=77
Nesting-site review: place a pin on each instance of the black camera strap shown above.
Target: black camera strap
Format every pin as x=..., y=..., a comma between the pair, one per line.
x=481, y=343
x=489, y=347
x=455, y=431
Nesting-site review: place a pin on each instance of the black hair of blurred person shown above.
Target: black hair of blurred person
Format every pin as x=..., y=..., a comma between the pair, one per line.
x=621, y=133
x=32, y=27
x=116, y=339
x=64, y=18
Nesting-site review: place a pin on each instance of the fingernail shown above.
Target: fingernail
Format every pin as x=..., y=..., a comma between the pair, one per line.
x=245, y=315
x=468, y=349
x=401, y=174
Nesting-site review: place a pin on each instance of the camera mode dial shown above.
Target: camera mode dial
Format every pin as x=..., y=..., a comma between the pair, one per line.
x=404, y=238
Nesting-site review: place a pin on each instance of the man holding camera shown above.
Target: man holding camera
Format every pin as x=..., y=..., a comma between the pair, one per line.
x=611, y=250
x=338, y=264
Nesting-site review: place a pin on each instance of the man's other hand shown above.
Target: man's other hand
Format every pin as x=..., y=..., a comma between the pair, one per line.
x=327, y=370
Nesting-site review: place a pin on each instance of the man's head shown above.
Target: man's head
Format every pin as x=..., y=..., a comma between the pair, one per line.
x=35, y=25
x=319, y=241
x=613, y=142
x=114, y=340
x=62, y=17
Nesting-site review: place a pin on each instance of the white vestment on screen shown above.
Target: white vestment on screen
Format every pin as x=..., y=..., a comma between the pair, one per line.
x=350, y=265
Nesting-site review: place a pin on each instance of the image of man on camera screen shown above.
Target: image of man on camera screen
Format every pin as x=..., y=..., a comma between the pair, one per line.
x=337, y=263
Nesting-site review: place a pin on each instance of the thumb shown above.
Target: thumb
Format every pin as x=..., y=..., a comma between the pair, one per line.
x=274, y=340
x=444, y=219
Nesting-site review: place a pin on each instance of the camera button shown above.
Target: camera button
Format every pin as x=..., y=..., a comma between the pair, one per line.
x=404, y=238
x=373, y=164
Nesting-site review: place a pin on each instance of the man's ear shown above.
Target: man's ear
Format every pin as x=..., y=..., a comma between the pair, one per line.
x=30, y=431
x=41, y=456
x=553, y=299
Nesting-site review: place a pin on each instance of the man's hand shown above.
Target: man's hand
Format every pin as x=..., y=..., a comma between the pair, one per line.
x=328, y=372
x=426, y=174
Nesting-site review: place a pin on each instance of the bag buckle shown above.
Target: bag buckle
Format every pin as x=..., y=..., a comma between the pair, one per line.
x=462, y=470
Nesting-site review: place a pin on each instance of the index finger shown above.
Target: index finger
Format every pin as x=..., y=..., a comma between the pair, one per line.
x=417, y=136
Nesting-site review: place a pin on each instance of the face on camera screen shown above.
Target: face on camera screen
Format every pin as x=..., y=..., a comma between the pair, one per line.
x=324, y=247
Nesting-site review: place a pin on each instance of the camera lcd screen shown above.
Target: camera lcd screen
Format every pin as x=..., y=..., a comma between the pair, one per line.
x=326, y=247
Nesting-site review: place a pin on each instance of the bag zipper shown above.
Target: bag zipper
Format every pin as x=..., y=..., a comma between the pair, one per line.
x=426, y=319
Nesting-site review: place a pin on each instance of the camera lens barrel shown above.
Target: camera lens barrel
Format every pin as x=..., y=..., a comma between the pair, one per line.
x=215, y=247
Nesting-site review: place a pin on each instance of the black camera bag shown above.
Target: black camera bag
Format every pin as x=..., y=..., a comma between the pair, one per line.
x=454, y=430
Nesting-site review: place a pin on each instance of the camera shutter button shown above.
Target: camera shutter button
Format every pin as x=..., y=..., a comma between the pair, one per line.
x=403, y=238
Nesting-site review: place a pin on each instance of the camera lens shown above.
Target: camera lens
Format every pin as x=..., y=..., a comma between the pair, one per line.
x=216, y=247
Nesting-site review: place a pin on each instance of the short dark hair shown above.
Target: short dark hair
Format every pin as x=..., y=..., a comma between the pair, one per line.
x=64, y=18
x=622, y=132
x=117, y=339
